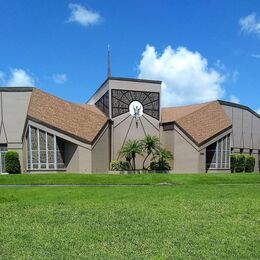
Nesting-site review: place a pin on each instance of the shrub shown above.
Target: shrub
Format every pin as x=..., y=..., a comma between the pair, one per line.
x=119, y=165
x=240, y=163
x=160, y=165
x=163, y=159
x=12, y=163
x=233, y=159
x=249, y=163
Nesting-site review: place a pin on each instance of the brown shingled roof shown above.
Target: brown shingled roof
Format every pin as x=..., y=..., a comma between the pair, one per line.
x=170, y=114
x=76, y=120
x=200, y=122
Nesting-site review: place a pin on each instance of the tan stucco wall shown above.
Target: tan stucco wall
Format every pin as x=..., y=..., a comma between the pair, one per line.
x=71, y=157
x=167, y=141
x=186, y=156
x=124, y=129
x=84, y=160
x=101, y=152
x=14, y=106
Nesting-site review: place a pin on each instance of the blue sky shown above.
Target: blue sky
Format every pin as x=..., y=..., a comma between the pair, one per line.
x=202, y=50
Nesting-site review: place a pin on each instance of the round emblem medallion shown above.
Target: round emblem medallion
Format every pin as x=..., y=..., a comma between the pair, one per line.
x=136, y=109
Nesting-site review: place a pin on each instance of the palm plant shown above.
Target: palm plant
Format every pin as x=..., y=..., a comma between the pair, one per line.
x=163, y=160
x=151, y=144
x=130, y=149
x=164, y=155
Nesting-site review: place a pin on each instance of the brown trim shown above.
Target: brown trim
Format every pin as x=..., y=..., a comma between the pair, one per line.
x=100, y=131
x=65, y=132
x=58, y=129
x=136, y=80
x=16, y=89
x=215, y=135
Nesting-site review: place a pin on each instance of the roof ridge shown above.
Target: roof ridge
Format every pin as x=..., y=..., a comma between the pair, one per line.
x=197, y=104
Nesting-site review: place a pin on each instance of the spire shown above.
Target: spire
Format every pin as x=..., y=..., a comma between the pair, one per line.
x=108, y=62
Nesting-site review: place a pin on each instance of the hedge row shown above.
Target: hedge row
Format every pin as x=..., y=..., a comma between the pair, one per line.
x=242, y=163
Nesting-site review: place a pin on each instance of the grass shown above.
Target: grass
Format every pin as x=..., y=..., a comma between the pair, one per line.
x=73, y=178
x=194, y=219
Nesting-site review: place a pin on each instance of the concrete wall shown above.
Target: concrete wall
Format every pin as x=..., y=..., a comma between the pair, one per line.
x=101, y=152
x=245, y=131
x=14, y=106
x=124, y=129
x=186, y=154
x=84, y=160
x=13, y=111
x=71, y=157
x=246, y=128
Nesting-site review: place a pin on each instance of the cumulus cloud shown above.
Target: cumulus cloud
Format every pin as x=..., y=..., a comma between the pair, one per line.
x=234, y=99
x=59, y=78
x=250, y=24
x=186, y=75
x=18, y=78
x=83, y=16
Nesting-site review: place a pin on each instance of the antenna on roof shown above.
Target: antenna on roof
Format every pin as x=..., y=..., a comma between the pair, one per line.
x=108, y=62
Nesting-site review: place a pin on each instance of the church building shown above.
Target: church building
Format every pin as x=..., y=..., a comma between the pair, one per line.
x=54, y=135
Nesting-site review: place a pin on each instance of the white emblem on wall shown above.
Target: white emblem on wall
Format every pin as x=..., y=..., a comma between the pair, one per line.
x=136, y=109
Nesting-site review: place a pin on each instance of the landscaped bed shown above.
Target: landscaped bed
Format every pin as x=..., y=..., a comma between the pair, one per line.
x=201, y=216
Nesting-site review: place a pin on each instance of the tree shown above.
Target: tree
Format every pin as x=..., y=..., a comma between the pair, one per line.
x=151, y=144
x=130, y=149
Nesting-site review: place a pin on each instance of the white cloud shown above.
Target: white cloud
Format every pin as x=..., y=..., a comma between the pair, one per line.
x=250, y=24
x=234, y=76
x=257, y=56
x=18, y=78
x=59, y=78
x=234, y=99
x=186, y=75
x=2, y=76
x=82, y=15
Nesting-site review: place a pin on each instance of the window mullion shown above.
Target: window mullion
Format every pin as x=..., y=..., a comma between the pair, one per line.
x=30, y=147
x=47, y=152
x=39, y=153
x=55, y=151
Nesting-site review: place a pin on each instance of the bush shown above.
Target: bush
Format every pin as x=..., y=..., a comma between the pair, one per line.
x=160, y=165
x=119, y=165
x=240, y=163
x=233, y=159
x=12, y=163
x=249, y=163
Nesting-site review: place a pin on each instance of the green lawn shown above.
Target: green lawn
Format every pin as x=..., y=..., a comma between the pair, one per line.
x=73, y=178
x=199, y=217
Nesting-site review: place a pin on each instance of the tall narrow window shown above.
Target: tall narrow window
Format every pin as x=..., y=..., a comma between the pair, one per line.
x=218, y=154
x=43, y=150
